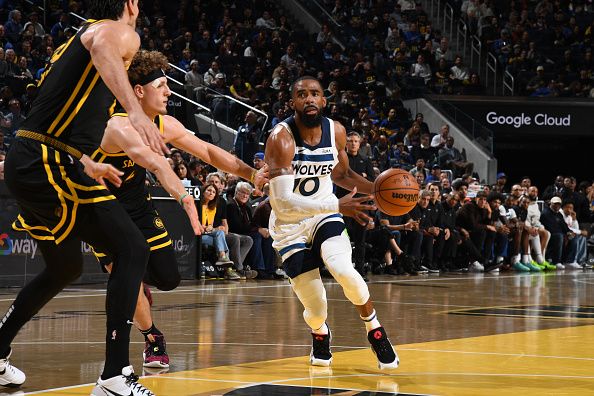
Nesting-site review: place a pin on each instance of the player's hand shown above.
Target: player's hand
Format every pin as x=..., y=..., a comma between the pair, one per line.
x=261, y=177
x=356, y=207
x=101, y=172
x=148, y=131
x=446, y=234
x=190, y=209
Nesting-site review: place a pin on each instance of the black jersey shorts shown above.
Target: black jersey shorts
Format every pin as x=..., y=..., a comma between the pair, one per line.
x=51, y=189
x=152, y=227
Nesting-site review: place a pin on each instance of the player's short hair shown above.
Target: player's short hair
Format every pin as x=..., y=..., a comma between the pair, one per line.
x=106, y=9
x=303, y=78
x=145, y=62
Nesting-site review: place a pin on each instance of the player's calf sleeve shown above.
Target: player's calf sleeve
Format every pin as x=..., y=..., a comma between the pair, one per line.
x=311, y=293
x=336, y=253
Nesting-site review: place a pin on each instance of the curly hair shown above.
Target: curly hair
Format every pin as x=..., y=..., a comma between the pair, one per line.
x=145, y=62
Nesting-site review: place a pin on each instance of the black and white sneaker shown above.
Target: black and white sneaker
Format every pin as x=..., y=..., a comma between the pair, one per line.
x=320, y=354
x=9, y=375
x=387, y=357
x=121, y=385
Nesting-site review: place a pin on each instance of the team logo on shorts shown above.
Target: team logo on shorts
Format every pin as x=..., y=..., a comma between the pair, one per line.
x=159, y=223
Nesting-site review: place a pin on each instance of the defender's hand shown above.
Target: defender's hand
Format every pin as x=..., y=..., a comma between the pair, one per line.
x=101, y=172
x=356, y=207
x=190, y=209
x=148, y=131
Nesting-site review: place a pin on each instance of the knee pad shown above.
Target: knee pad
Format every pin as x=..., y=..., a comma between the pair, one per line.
x=336, y=253
x=311, y=293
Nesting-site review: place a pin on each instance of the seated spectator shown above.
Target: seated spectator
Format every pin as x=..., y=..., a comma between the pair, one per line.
x=420, y=168
x=439, y=141
x=476, y=231
x=553, y=221
x=443, y=51
x=421, y=69
x=213, y=228
x=261, y=217
x=474, y=86
x=435, y=175
x=240, y=217
x=424, y=150
x=536, y=237
x=577, y=249
x=195, y=81
x=449, y=157
x=459, y=74
x=247, y=138
x=400, y=157
x=239, y=245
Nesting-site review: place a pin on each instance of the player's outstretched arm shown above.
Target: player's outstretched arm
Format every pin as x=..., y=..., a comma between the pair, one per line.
x=112, y=45
x=342, y=174
x=120, y=133
x=177, y=135
x=280, y=149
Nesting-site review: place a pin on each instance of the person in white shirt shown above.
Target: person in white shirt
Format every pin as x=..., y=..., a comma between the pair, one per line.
x=421, y=69
x=439, y=141
x=537, y=237
x=577, y=246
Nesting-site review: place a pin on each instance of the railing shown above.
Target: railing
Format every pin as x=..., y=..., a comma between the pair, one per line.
x=321, y=7
x=461, y=35
x=491, y=65
x=219, y=96
x=476, y=53
x=508, y=83
x=480, y=134
x=448, y=20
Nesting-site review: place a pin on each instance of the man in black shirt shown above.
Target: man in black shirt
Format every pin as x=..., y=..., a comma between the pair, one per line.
x=362, y=166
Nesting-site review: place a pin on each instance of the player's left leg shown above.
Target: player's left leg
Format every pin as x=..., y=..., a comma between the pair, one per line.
x=336, y=254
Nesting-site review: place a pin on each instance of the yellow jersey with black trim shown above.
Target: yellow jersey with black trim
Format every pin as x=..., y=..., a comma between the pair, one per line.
x=73, y=104
x=132, y=193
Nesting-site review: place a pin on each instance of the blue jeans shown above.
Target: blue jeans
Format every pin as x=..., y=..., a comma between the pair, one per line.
x=576, y=250
x=216, y=238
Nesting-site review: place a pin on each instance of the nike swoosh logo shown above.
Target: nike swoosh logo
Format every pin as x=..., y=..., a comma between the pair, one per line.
x=300, y=151
x=128, y=322
x=111, y=392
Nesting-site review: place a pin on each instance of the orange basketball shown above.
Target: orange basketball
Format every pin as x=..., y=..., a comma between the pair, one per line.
x=396, y=192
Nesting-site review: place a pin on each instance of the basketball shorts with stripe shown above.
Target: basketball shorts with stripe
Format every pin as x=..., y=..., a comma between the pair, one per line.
x=162, y=270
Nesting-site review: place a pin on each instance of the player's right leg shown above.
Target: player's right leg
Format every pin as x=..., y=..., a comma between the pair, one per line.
x=335, y=251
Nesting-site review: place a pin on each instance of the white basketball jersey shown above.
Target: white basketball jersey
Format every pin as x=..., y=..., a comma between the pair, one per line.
x=312, y=167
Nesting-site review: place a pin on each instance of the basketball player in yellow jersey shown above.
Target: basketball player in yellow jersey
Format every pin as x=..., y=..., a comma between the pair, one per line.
x=50, y=174
x=123, y=148
x=306, y=153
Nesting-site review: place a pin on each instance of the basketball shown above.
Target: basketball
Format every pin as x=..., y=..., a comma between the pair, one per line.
x=396, y=192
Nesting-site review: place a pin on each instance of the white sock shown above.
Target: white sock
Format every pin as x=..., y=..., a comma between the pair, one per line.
x=371, y=321
x=539, y=258
x=526, y=259
x=515, y=259
x=322, y=330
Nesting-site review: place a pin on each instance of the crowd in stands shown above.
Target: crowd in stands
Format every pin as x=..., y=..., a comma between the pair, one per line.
x=546, y=45
x=248, y=50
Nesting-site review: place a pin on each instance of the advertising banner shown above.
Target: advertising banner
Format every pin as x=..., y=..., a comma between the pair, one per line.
x=529, y=115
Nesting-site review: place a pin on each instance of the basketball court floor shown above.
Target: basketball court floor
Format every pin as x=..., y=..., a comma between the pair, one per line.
x=504, y=334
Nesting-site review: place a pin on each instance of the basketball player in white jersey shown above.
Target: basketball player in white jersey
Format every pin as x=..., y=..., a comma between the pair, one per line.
x=306, y=154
